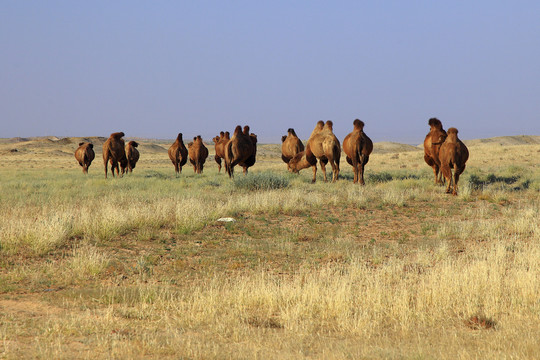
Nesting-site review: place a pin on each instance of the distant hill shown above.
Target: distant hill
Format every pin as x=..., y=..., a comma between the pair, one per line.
x=66, y=146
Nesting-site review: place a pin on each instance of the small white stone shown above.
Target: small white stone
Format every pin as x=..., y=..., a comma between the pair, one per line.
x=226, y=219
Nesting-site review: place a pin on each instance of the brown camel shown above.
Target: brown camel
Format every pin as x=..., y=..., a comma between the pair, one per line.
x=132, y=156
x=114, y=151
x=357, y=146
x=250, y=161
x=197, y=154
x=322, y=145
x=291, y=145
x=221, y=141
x=239, y=150
x=432, y=145
x=453, y=154
x=178, y=154
x=85, y=155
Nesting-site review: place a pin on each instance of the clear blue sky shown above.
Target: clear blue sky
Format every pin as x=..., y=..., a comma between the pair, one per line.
x=156, y=68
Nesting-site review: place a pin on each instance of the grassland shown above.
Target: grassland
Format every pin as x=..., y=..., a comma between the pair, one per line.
x=138, y=267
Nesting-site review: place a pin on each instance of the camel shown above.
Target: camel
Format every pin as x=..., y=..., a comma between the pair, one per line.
x=220, y=143
x=85, y=155
x=178, y=154
x=291, y=145
x=113, y=151
x=322, y=145
x=239, y=150
x=357, y=146
x=250, y=161
x=197, y=154
x=453, y=154
x=432, y=145
x=132, y=156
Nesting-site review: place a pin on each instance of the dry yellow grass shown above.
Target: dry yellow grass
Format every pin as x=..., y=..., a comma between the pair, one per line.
x=138, y=267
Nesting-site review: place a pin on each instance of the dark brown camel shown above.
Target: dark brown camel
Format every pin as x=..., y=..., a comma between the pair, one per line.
x=197, y=154
x=357, y=146
x=291, y=145
x=322, y=145
x=221, y=141
x=239, y=149
x=85, y=155
x=114, y=151
x=250, y=161
x=132, y=156
x=432, y=144
x=178, y=154
x=453, y=154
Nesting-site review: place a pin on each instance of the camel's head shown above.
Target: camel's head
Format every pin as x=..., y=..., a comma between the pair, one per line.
x=215, y=139
x=452, y=133
x=358, y=124
x=253, y=138
x=227, y=135
x=117, y=135
x=293, y=164
x=435, y=123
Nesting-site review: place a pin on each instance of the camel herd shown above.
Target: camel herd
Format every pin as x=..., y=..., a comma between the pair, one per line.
x=443, y=151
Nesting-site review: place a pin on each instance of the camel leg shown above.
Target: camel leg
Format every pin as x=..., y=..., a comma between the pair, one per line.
x=314, y=173
x=335, y=170
x=447, y=172
x=245, y=170
x=323, y=168
x=457, y=172
x=218, y=160
x=363, y=163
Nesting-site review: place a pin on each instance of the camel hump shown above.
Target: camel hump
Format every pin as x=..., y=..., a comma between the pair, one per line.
x=436, y=123
x=81, y=143
x=452, y=130
x=221, y=134
x=329, y=125
x=179, y=137
x=291, y=131
x=237, y=130
x=283, y=138
x=227, y=135
x=246, y=130
x=91, y=146
x=358, y=124
x=133, y=143
x=117, y=135
x=320, y=124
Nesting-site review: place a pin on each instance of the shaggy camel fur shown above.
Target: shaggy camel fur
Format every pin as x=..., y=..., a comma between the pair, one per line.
x=357, y=146
x=114, y=151
x=85, y=155
x=291, y=145
x=239, y=150
x=453, y=154
x=132, y=156
x=221, y=141
x=197, y=154
x=178, y=154
x=432, y=145
x=322, y=145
